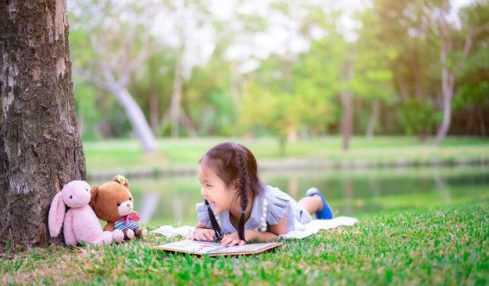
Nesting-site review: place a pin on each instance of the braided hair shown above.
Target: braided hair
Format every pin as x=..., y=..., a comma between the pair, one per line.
x=234, y=164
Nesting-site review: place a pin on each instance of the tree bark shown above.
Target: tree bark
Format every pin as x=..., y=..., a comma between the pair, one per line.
x=40, y=146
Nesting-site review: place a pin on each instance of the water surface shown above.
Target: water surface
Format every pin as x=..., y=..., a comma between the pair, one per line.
x=349, y=192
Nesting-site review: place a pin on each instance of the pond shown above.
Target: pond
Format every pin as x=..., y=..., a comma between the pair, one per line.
x=349, y=192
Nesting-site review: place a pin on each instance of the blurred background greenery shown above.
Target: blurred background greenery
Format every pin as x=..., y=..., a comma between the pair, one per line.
x=283, y=69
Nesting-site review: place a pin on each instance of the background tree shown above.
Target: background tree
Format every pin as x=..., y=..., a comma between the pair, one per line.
x=193, y=45
x=452, y=55
x=373, y=78
x=471, y=103
x=117, y=42
x=40, y=148
x=405, y=29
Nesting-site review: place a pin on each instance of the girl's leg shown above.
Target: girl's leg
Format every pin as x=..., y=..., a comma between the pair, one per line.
x=312, y=204
x=315, y=203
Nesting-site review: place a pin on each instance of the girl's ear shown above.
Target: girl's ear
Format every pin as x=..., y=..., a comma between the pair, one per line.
x=235, y=184
x=93, y=199
x=56, y=215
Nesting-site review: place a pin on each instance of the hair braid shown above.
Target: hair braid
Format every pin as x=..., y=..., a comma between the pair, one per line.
x=215, y=225
x=243, y=190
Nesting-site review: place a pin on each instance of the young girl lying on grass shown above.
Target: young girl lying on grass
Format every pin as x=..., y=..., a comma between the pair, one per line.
x=238, y=207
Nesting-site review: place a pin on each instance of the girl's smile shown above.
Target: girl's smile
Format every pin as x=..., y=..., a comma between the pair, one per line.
x=214, y=190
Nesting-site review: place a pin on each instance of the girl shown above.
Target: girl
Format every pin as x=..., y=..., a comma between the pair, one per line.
x=238, y=207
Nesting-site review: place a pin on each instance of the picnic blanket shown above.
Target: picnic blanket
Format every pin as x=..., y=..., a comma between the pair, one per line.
x=309, y=229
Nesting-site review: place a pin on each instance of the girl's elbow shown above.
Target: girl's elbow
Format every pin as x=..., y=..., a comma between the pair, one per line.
x=279, y=231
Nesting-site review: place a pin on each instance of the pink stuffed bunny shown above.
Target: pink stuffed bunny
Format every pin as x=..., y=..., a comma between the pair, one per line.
x=80, y=222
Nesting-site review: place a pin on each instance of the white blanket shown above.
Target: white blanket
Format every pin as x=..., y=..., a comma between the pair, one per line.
x=311, y=228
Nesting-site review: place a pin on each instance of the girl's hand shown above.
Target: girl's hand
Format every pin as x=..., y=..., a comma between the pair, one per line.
x=204, y=234
x=232, y=239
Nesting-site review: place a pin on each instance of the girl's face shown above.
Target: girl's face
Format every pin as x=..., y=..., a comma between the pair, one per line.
x=214, y=190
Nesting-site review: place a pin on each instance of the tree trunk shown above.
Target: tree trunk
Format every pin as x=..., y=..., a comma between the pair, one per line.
x=347, y=106
x=482, y=123
x=154, y=116
x=187, y=123
x=40, y=147
x=282, y=141
x=447, y=84
x=292, y=136
x=136, y=117
x=346, y=119
x=449, y=73
x=447, y=112
x=176, y=97
x=374, y=117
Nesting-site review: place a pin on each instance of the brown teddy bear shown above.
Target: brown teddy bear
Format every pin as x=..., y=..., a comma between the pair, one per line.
x=113, y=203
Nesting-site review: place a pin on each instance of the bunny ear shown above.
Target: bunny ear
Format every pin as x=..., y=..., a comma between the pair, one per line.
x=56, y=215
x=121, y=180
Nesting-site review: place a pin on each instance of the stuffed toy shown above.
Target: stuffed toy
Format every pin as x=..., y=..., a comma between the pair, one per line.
x=80, y=224
x=113, y=203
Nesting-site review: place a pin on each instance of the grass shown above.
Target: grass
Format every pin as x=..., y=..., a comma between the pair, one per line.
x=126, y=154
x=430, y=246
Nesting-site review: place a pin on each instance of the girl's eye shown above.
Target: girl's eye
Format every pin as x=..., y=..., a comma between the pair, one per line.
x=118, y=204
x=209, y=186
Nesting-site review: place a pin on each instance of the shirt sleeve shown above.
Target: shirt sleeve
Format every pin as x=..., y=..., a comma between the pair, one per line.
x=203, y=214
x=278, y=203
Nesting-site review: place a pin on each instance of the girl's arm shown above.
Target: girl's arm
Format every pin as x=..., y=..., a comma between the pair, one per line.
x=273, y=231
x=267, y=236
x=201, y=225
x=202, y=232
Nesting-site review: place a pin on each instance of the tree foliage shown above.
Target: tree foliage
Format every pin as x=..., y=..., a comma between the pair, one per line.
x=277, y=68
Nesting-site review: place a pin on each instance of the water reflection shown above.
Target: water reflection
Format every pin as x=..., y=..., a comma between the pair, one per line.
x=148, y=205
x=442, y=187
x=348, y=192
x=351, y=193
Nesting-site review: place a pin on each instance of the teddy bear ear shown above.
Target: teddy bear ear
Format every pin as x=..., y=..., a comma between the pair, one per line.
x=121, y=180
x=94, y=193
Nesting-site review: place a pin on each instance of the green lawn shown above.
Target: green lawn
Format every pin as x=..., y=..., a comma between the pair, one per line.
x=126, y=154
x=429, y=246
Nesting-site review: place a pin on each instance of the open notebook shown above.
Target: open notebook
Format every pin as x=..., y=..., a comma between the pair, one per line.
x=216, y=249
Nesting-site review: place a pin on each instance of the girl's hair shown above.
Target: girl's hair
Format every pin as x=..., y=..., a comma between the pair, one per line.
x=234, y=164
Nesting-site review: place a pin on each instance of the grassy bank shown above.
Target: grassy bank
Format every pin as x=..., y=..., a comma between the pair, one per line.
x=446, y=245
x=126, y=154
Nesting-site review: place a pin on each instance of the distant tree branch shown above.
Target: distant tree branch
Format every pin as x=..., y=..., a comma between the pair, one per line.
x=469, y=39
